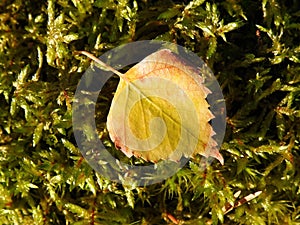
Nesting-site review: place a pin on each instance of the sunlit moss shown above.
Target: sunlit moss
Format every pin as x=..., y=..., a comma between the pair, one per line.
x=251, y=46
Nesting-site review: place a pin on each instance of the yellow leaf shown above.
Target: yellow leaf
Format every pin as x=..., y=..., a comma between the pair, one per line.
x=160, y=111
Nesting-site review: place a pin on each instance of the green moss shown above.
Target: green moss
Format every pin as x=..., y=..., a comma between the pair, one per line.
x=253, y=49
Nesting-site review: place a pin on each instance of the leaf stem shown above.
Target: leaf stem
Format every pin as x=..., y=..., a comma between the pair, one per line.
x=95, y=59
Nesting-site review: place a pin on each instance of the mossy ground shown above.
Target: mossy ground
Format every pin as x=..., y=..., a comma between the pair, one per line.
x=251, y=46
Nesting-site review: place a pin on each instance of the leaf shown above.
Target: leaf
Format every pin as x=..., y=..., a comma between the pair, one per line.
x=159, y=111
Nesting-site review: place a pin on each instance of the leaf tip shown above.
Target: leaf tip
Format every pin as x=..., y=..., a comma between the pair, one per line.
x=219, y=157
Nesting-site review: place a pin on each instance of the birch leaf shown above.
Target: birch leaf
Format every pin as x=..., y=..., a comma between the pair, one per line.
x=160, y=111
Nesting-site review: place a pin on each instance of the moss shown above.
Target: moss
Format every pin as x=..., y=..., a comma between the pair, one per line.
x=253, y=49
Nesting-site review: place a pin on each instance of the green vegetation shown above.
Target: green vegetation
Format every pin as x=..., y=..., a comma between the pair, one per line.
x=253, y=49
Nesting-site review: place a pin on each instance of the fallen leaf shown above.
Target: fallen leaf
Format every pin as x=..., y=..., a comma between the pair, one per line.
x=160, y=111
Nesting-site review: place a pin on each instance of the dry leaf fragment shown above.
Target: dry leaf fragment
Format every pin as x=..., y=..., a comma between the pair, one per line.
x=228, y=207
